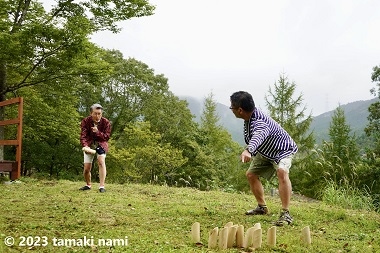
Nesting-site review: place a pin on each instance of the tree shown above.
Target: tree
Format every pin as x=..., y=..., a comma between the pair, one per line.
x=38, y=47
x=373, y=127
x=289, y=113
x=51, y=131
x=370, y=175
x=343, y=152
x=127, y=89
x=216, y=143
x=140, y=156
x=339, y=132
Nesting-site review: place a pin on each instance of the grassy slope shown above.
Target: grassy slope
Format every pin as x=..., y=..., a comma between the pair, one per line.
x=159, y=219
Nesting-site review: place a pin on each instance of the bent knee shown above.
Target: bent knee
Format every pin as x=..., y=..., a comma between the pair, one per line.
x=251, y=175
x=282, y=174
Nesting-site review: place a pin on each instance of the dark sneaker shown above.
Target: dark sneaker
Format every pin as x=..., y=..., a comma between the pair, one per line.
x=259, y=210
x=284, y=219
x=85, y=188
x=102, y=190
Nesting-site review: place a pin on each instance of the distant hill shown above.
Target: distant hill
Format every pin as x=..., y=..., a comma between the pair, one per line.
x=227, y=119
x=356, y=114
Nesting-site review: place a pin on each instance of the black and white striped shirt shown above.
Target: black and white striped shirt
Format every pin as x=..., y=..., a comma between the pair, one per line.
x=265, y=136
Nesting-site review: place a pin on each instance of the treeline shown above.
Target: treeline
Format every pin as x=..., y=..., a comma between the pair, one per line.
x=47, y=58
x=153, y=138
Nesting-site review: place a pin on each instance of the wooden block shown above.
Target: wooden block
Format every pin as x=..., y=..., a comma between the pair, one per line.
x=306, y=238
x=257, y=238
x=213, y=238
x=271, y=238
x=240, y=236
x=223, y=238
x=196, y=232
x=248, y=238
x=231, y=236
x=229, y=224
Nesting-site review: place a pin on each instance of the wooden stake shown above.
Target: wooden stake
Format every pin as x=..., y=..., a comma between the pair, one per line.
x=248, y=238
x=306, y=235
x=231, y=236
x=271, y=238
x=223, y=238
x=229, y=224
x=240, y=236
x=257, y=226
x=196, y=232
x=213, y=238
x=256, y=238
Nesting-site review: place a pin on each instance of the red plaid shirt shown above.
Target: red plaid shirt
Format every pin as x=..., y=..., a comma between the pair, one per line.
x=87, y=137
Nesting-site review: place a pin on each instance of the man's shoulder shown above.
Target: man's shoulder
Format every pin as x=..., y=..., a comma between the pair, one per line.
x=259, y=114
x=105, y=120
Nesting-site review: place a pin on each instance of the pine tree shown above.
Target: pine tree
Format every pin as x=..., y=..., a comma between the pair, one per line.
x=342, y=151
x=373, y=127
x=217, y=144
x=289, y=113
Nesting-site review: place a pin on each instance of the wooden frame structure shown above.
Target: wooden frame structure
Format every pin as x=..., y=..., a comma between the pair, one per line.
x=13, y=167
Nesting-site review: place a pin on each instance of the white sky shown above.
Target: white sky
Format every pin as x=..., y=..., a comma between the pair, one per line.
x=327, y=47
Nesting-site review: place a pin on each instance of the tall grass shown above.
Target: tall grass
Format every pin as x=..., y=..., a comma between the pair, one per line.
x=347, y=196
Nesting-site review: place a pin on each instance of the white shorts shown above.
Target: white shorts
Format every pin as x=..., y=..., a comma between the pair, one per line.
x=88, y=158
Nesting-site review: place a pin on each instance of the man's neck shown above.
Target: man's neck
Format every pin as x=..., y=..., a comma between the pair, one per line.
x=246, y=115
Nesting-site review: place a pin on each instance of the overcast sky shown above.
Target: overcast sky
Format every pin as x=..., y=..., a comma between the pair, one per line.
x=327, y=47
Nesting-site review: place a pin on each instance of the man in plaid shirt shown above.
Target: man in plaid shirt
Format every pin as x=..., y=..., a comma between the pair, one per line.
x=95, y=133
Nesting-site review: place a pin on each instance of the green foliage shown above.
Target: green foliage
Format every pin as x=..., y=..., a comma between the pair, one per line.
x=319, y=168
x=308, y=176
x=140, y=156
x=289, y=113
x=342, y=150
x=376, y=78
x=336, y=161
x=127, y=92
x=373, y=127
x=51, y=131
x=347, y=196
x=217, y=144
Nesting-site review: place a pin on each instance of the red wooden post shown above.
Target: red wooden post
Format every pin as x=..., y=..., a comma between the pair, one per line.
x=14, y=167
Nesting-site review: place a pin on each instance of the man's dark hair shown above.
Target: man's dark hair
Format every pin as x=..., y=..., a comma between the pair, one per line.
x=243, y=100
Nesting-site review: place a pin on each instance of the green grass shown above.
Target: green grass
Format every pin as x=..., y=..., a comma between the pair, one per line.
x=158, y=219
x=348, y=197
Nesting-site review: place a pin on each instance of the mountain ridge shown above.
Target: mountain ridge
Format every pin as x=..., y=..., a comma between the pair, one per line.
x=356, y=114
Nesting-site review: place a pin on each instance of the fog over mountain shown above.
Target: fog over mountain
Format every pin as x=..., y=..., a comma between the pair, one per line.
x=356, y=114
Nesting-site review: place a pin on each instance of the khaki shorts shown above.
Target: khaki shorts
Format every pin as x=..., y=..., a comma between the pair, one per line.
x=266, y=168
x=88, y=158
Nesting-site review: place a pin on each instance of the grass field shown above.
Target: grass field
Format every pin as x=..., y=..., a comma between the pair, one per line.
x=41, y=215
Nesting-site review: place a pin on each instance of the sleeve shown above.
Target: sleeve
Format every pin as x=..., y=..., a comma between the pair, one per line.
x=83, y=134
x=260, y=133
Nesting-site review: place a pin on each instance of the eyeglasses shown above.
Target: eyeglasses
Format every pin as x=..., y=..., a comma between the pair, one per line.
x=232, y=108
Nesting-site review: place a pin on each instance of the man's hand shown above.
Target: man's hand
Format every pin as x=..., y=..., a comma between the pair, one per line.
x=245, y=156
x=89, y=150
x=94, y=129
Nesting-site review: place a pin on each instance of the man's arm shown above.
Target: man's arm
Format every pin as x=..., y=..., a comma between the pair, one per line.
x=105, y=134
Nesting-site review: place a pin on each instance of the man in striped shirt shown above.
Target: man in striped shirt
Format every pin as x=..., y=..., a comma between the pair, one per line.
x=269, y=148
